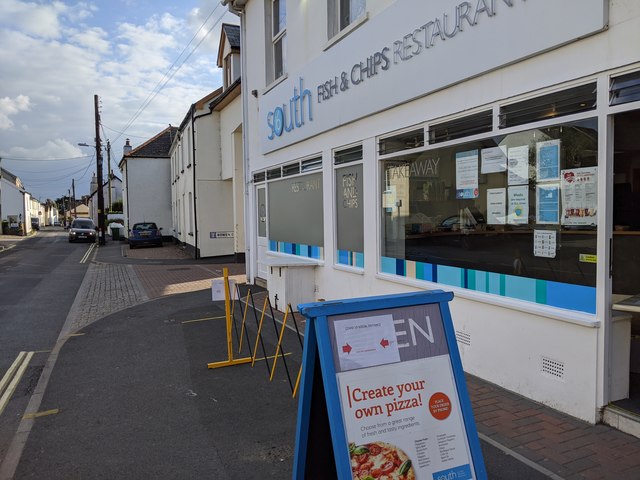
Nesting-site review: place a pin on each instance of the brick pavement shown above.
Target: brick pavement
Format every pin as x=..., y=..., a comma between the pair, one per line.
x=561, y=446
x=106, y=289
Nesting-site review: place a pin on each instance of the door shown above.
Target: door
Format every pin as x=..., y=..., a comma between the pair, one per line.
x=263, y=241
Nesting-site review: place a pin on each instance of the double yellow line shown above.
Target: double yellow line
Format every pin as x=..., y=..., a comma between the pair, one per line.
x=88, y=252
x=12, y=378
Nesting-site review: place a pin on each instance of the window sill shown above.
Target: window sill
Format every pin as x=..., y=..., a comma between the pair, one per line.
x=348, y=269
x=275, y=83
x=346, y=31
x=569, y=316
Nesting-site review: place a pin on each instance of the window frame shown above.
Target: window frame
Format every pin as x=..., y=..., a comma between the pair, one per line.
x=278, y=35
x=521, y=305
x=335, y=168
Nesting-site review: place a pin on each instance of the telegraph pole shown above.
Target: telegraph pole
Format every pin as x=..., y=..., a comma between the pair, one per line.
x=73, y=186
x=101, y=237
x=109, y=171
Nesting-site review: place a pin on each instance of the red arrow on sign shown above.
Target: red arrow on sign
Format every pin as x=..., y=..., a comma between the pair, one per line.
x=346, y=348
x=384, y=342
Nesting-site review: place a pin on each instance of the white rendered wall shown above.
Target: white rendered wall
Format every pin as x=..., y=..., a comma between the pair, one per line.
x=12, y=200
x=215, y=214
x=507, y=342
x=149, y=194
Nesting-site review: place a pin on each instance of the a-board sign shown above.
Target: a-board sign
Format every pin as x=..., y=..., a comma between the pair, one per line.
x=383, y=393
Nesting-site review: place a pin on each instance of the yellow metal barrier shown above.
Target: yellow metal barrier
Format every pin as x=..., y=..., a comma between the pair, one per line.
x=227, y=307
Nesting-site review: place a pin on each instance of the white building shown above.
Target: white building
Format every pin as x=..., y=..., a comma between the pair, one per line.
x=146, y=174
x=207, y=188
x=12, y=200
x=396, y=146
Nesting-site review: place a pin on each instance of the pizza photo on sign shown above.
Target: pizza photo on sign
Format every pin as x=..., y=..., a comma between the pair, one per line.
x=379, y=461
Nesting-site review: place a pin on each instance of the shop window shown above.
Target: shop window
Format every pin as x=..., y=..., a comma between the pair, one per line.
x=349, y=207
x=402, y=141
x=274, y=173
x=461, y=127
x=291, y=169
x=513, y=215
x=311, y=164
x=342, y=13
x=296, y=223
x=557, y=104
x=625, y=89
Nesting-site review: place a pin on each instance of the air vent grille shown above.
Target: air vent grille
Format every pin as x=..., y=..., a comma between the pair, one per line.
x=553, y=368
x=463, y=338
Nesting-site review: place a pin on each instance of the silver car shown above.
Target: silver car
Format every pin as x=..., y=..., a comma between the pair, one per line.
x=82, y=230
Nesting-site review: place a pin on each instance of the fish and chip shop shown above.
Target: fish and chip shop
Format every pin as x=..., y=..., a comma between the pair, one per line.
x=459, y=145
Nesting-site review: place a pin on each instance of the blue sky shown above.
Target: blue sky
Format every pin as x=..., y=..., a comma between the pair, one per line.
x=56, y=55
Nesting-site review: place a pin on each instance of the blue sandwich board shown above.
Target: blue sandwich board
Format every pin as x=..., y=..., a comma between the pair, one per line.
x=383, y=392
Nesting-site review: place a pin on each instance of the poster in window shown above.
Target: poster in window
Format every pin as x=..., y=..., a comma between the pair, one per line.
x=518, y=163
x=580, y=196
x=518, y=205
x=548, y=204
x=467, y=174
x=548, y=161
x=496, y=206
x=494, y=159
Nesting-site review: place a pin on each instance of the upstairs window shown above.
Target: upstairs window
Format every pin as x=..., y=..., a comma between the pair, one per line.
x=278, y=38
x=342, y=13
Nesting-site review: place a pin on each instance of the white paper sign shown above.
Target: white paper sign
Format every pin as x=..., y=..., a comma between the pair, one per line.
x=366, y=342
x=217, y=289
x=496, y=206
x=518, y=162
x=467, y=174
x=580, y=196
x=494, y=159
x=544, y=243
x=518, y=205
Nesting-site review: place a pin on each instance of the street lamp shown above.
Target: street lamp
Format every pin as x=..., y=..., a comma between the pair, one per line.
x=101, y=237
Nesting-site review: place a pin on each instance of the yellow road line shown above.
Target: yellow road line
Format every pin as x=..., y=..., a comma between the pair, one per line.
x=41, y=414
x=12, y=369
x=42, y=351
x=76, y=334
x=4, y=400
x=204, y=319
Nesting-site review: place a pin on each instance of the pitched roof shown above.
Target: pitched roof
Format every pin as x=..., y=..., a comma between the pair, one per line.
x=156, y=147
x=233, y=34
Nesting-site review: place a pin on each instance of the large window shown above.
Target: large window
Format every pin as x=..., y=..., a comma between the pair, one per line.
x=295, y=213
x=342, y=13
x=349, y=207
x=514, y=215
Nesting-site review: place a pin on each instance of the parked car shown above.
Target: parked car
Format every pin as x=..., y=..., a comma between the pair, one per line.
x=82, y=230
x=145, y=233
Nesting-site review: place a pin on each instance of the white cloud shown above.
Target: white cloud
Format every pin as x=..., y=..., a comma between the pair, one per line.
x=58, y=55
x=11, y=106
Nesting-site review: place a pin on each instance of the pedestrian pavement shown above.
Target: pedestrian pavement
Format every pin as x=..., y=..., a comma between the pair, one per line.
x=252, y=421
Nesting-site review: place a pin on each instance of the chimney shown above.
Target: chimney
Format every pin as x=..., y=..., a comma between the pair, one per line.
x=127, y=148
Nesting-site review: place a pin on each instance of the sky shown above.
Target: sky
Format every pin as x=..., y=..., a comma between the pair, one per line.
x=147, y=60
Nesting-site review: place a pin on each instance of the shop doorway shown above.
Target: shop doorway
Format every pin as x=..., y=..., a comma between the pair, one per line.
x=261, y=228
x=626, y=239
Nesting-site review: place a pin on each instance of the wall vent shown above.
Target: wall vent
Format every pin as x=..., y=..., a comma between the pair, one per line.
x=463, y=338
x=553, y=368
